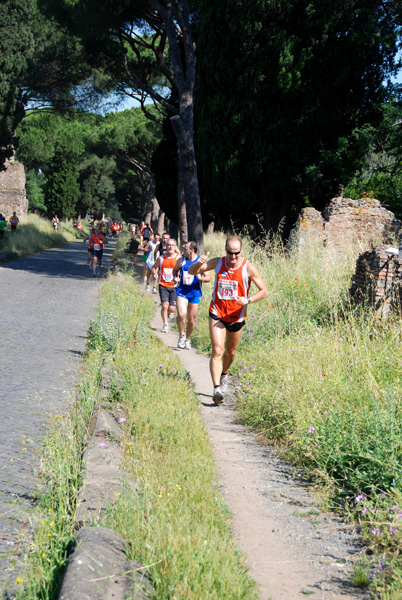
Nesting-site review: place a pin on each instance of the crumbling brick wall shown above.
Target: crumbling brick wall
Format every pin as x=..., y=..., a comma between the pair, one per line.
x=347, y=221
x=377, y=280
x=12, y=190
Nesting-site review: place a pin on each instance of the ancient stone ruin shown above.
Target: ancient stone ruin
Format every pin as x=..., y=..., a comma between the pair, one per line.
x=377, y=280
x=346, y=221
x=12, y=190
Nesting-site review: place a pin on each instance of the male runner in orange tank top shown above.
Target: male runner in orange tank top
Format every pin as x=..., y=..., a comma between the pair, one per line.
x=167, y=285
x=228, y=308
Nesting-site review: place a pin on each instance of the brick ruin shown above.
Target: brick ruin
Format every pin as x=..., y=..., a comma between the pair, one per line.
x=12, y=190
x=377, y=280
x=347, y=224
x=346, y=221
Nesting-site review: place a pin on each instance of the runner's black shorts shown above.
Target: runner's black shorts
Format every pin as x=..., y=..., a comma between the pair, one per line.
x=233, y=327
x=167, y=294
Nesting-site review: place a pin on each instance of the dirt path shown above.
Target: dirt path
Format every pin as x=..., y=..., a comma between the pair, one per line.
x=292, y=548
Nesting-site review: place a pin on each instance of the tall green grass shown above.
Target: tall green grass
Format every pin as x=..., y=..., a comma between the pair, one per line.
x=35, y=234
x=322, y=380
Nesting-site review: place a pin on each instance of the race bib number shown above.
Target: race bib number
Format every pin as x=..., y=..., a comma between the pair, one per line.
x=227, y=290
x=187, y=278
x=97, y=247
x=168, y=275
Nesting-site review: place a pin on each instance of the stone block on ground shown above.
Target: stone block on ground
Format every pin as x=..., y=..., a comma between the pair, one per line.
x=98, y=569
x=103, y=480
x=106, y=426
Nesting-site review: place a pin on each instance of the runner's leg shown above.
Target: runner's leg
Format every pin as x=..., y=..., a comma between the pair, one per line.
x=164, y=311
x=192, y=311
x=217, y=333
x=231, y=343
x=182, y=304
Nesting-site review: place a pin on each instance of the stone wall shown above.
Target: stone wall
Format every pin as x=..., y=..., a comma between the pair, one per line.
x=344, y=221
x=377, y=280
x=12, y=190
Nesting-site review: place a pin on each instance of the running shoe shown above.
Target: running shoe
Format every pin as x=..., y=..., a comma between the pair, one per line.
x=224, y=384
x=165, y=328
x=148, y=288
x=187, y=344
x=154, y=290
x=181, y=343
x=217, y=396
x=171, y=315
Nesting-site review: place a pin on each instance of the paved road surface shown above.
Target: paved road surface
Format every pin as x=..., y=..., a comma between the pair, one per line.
x=46, y=302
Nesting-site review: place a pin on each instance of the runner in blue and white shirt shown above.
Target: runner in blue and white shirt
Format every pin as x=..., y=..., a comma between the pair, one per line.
x=189, y=292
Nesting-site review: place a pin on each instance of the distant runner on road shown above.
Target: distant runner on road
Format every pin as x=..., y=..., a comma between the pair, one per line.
x=98, y=241
x=188, y=292
x=228, y=308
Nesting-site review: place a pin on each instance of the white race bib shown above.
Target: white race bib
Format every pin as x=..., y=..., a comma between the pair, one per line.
x=168, y=275
x=227, y=289
x=97, y=247
x=187, y=278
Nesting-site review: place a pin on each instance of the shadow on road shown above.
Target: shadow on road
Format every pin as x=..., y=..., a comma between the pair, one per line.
x=68, y=261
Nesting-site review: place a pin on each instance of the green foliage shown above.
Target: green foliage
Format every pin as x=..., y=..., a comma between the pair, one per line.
x=380, y=175
x=279, y=98
x=89, y=162
x=35, y=190
x=62, y=187
x=16, y=45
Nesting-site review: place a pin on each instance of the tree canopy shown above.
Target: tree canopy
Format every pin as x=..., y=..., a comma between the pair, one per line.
x=280, y=96
x=16, y=47
x=83, y=162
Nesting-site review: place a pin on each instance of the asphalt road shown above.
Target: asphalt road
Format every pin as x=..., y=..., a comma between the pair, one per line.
x=46, y=302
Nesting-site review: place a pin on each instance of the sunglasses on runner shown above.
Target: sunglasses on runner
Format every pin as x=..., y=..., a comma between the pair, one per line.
x=233, y=253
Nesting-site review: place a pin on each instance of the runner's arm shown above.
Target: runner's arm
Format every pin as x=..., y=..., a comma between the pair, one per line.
x=203, y=264
x=156, y=266
x=177, y=267
x=256, y=278
x=204, y=277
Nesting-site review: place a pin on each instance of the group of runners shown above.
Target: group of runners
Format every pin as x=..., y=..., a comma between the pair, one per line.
x=14, y=220
x=180, y=277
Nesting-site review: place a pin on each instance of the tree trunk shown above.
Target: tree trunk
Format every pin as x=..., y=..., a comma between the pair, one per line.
x=188, y=192
x=161, y=222
x=151, y=206
x=155, y=212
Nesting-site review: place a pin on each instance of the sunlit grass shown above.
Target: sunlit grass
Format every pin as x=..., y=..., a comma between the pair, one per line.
x=35, y=234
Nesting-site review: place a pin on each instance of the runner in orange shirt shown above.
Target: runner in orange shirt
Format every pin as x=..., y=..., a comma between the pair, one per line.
x=167, y=285
x=98, y=241
x=90, y=246
x=228, y=308
x=14, y=220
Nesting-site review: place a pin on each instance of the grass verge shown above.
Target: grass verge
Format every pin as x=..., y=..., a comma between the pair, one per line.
x=176, y=521
x=35, y=234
